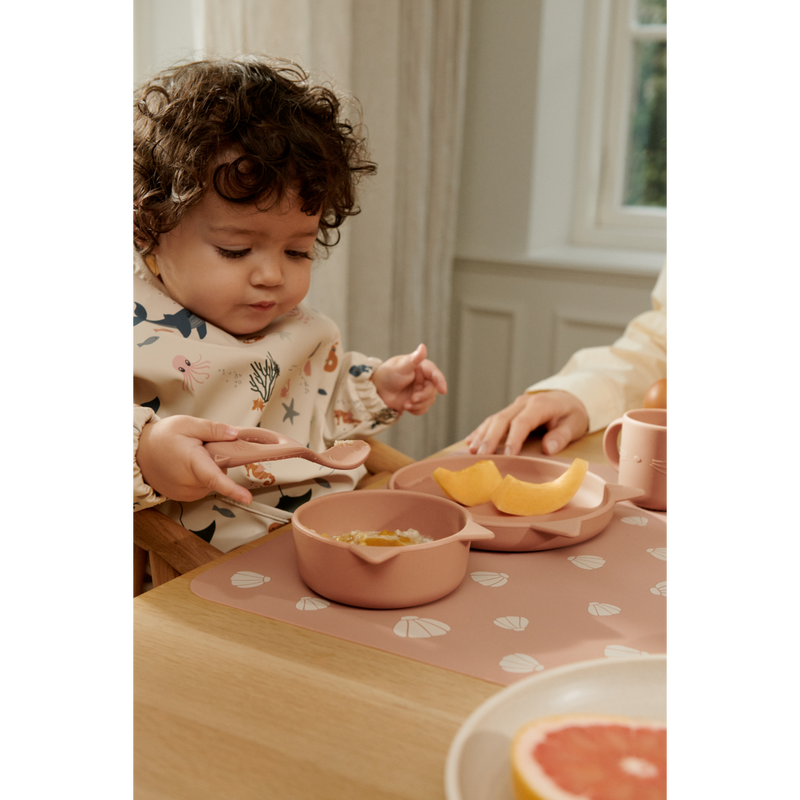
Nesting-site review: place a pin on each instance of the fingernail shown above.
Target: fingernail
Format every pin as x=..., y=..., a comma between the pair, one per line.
x=507, y=451
x=483, y=449
x=231, y=432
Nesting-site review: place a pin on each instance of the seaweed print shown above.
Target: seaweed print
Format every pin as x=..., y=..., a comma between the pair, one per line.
x=262, y=382
x=197, y=371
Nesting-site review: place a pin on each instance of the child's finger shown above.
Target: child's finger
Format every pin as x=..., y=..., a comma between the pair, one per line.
x=417, y=357
x=419, y=402
x=208, y=431
x=441, y=382
x=222, y=484
x=435, y=376
x=420, y=354
x=210, y=475
x=420, y=391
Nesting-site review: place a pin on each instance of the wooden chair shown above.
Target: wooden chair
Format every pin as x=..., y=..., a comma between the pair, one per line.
x=173, y=550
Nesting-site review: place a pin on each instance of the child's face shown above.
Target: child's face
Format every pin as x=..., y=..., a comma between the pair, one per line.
x=235, y=266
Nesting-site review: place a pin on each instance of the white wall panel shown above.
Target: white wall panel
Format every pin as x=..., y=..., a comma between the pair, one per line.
x=515, y=324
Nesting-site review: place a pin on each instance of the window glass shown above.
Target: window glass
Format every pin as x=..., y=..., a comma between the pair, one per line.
x=651, y=12
x=646, y=174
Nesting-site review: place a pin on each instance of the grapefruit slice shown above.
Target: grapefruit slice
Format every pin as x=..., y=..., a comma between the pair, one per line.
x=590, y=757
x=524, y=499
x=471, y=486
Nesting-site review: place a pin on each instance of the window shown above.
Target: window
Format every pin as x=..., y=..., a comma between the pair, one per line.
x=622, y=170
x=646, y=157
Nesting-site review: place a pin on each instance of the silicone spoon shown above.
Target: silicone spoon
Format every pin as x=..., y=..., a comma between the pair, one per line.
x=259, y=444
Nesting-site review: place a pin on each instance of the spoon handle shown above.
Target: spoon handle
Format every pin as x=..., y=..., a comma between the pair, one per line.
x=239, y=452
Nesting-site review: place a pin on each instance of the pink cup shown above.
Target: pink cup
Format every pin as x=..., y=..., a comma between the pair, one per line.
x=636, y=446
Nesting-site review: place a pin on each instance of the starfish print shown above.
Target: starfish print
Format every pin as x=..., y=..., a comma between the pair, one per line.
x=290, y=412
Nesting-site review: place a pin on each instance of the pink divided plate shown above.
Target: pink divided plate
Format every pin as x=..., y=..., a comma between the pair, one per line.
x=589, y=511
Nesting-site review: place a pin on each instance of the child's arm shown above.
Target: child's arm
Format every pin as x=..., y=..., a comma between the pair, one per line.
x=175, y=464
x=410, y=382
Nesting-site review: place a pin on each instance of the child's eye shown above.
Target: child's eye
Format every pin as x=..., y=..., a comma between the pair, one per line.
x=298, y=254
x=232, y=253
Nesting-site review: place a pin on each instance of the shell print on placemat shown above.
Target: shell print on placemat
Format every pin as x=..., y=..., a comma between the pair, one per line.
x=620, y=651
x=248, y=580
x=658, y=552
x=660, y=588
x=512, y=623
x=519, y=662
x=635, y=520
x=587, y=562
x=489, y=578
x=311, y=604
x=420, y=628
x=603, y=609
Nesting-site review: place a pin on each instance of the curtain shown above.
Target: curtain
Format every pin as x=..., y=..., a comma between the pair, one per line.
x=388, y=283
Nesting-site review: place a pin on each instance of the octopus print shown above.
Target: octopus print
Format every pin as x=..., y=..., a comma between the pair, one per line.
x=193, y=372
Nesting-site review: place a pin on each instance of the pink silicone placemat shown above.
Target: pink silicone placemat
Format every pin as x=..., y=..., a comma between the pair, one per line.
x=513, y=614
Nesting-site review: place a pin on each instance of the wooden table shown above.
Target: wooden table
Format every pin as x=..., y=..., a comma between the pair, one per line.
x=282, y=712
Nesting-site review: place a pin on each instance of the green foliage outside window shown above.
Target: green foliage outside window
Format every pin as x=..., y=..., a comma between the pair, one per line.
x=646, y=183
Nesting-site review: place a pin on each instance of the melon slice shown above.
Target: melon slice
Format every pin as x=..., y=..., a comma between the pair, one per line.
x=471, y=486
x=523, y=499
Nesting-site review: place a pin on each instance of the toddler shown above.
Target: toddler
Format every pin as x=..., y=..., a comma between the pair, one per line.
x=243, y=173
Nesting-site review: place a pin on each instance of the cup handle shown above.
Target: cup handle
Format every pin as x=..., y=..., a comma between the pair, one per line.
x=611, y=443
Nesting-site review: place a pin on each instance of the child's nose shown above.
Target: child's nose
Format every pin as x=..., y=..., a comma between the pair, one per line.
x=268, y=270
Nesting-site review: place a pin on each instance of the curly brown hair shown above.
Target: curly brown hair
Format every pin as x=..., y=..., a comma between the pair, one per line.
x=287, y=132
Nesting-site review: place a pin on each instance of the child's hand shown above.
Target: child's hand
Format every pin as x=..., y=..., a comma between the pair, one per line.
x=410, y=382
x=174, y=462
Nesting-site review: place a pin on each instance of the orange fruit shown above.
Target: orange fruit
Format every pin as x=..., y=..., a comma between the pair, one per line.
x=656, y=395
x=590, y=757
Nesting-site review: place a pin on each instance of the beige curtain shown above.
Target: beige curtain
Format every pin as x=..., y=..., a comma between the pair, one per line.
x=388, y=283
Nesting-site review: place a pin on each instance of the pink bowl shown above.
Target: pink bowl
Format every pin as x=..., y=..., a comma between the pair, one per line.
x=383, y=577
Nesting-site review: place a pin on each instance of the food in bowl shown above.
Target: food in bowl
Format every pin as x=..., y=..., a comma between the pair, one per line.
x=482, y=482
x=568, y=757
x=383, y=577
x=384, y=538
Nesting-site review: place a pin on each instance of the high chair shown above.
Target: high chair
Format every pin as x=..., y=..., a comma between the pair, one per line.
x=172, y=550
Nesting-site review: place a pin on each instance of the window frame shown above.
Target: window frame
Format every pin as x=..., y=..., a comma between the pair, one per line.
x=601, y=218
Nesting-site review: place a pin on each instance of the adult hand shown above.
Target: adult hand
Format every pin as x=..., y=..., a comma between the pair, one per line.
x=410, y=382
x=564, y=415
x=174, y=462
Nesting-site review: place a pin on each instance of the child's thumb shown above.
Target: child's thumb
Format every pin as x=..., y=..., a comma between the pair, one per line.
x=210, y=431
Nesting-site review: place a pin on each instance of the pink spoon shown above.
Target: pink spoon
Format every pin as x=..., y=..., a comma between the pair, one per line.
x=258, y=444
